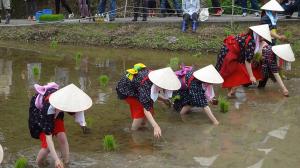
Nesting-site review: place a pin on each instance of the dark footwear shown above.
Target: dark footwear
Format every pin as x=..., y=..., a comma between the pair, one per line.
x=111, y=19
x=288, y=17
x=183, y=26
x=134, y=19
x=7, y=19
x=144, y=19
x=194, y=26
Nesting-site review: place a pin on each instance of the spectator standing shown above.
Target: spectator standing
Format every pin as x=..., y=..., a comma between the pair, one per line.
x=163, y=6
x=31, y=8
x=291, y=6
x=191, y=10
x=217, y=7
x=111, y=13
x=65, y=5
x=254, y=6
x=151, y=6
x=5, y=5
x=140, y=5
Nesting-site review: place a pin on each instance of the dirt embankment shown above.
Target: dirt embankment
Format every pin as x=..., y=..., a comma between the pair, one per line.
x=209, y=36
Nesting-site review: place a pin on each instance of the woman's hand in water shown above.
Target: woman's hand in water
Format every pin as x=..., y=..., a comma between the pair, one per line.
x=282, y=38
x=253, y=79
x=59, y=164
x=157, y=131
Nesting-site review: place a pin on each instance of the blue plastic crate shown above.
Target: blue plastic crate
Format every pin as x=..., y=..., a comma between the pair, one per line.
x=47, y=11
x=38, y=14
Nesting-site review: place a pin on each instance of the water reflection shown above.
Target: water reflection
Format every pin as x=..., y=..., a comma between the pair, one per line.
x=6, y=73
x=62, y=76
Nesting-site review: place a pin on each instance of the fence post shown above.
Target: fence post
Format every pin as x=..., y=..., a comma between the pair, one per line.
x=125, y=10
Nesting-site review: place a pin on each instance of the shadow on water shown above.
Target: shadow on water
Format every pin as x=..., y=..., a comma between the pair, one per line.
x=261, y=128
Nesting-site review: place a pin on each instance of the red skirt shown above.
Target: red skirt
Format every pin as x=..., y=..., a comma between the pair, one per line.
x=136, y=108
x=235, y=73
x=58, y=127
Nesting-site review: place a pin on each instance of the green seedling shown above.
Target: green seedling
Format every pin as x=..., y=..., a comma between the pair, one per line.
x=103, y=80
x=78, y=57
x=258, y=57
x=109, y=143
x=54, y=44
x=224, y=105
x=174, y=62
x=21, y=163
x=35, y=71
x=174, y=98
x=288, y=34
x=89, y=121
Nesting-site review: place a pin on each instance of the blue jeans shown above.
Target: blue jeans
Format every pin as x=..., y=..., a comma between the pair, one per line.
x=254, y=5
x=101, y=7
x=163, y=6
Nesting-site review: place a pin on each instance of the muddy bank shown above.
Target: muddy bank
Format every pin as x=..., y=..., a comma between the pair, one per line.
x=142, y=35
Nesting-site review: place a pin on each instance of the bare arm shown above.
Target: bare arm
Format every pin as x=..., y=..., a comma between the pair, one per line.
x=249, y=70
x=280, y=82
x=277, y=36
x=157, y=130
x=58, y=163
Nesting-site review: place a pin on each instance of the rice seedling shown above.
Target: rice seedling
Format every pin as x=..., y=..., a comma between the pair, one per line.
x=109, y=143
x=223, y=104
x=288, y=34
x=174, y=98
x=54, y=44
x=21, y=163
x=257, y=57
x=89, y=121
x=78, y=57
x=35, y=71
x=174, y=62
x=103, y=80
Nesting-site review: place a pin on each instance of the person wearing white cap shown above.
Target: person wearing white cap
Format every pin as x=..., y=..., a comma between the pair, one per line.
x=269, y=16
x=269, y=63
x=140, y=88
x=197, y=90
x=236, y=55
x=46, y=117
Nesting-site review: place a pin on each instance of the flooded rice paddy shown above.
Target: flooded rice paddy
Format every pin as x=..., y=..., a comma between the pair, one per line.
x=261, y=129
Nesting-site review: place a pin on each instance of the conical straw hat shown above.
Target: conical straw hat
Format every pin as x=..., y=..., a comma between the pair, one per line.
x=1, y=154
x=272, y=5
x=70, y=99
x=208, y=74
x=284, y=51
x=165, y=78
x=263, y=31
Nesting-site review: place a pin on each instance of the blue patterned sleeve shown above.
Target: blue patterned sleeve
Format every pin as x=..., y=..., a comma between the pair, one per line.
x=249, y=51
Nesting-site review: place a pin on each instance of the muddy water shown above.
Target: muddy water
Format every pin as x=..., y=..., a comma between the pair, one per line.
x=260, y=130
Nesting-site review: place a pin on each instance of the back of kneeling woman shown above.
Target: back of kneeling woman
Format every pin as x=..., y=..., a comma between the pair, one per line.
x=141, y=89
x=198, y=91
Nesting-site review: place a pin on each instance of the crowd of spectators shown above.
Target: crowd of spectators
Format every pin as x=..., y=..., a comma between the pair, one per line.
x=145, y=8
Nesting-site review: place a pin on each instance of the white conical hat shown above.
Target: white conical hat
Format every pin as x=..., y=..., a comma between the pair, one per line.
x=272, y=5
x=208, y=74
x=284, y=51
x=263, y=31
x=1, y=154
x=165, y=78
x=70, y=99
